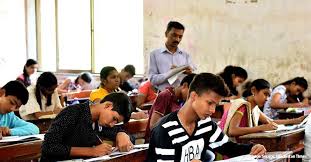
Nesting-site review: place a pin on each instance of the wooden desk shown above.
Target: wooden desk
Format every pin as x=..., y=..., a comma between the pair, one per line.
x=133, y=98
x=139, y=156
x=70, y=96
x=42, y=124
x=289, y=115
x=278, y=141
x=137, y=128
x=146, y=106
x=24, y=151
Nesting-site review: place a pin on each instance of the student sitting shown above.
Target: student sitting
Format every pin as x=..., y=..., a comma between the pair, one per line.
x=233, y=77
x=43, y=98
x=30, y=68
x=126, y=73
x=12, y=96
x=82, y=82
x=189, y=134
x=147, y=93
x=109, y=82
x=278, y=99
x=169, y=100
x=243, y=115
x=72, y=133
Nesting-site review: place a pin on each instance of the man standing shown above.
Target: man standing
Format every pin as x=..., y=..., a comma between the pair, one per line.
x=169, y=60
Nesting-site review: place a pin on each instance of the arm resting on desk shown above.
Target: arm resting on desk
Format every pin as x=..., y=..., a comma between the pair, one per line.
x=276, y=104
x=19, y=127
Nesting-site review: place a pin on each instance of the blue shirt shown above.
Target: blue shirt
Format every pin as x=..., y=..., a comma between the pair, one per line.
x=160, y=63
x=18, y=127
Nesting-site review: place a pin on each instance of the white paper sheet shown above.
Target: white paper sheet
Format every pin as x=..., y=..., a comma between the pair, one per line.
x=118, y=153
x=242, y=158
x=19, y=138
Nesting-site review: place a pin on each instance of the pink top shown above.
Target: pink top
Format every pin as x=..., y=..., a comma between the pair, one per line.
x=243, y=123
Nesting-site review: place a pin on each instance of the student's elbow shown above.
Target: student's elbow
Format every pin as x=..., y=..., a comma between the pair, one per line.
x=36, y=130
x=33, y=129
x=233, y=132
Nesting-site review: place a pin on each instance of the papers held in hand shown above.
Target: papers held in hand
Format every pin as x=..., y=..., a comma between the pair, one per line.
x=173, y=74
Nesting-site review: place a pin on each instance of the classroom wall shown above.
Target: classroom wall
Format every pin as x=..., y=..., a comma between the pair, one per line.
x=269, y=38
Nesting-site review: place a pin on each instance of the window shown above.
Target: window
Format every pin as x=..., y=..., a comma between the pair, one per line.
x=12, y=39
x=47, y=35
x=118, y=39
x=74, y=34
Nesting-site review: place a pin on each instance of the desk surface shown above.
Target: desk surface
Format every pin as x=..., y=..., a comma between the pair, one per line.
x=272, y=134
x=280, y=141
x=135, y=156
x=21, y=151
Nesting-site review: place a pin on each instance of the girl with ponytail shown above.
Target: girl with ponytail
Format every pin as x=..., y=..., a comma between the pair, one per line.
x=243, y=115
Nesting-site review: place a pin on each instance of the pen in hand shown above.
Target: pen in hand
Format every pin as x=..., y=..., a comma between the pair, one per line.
x=113, y=150
x=99, y=139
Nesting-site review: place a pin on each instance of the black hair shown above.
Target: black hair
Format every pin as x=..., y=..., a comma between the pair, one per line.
x=187, y=79
x=130, y=69
x=227, y=76
x=174, y=24
x=204, y=82
x=301, y=81
x=121, y=104
x=17, y=89
x=45, y=81
x=85, y=76
x=106, y=71
x=29, y=62
x=259, y=84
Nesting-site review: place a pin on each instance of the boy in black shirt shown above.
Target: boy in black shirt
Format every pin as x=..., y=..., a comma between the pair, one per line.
x=72, y=133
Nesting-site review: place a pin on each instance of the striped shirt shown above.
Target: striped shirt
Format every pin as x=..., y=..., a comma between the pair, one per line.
x=169, y=142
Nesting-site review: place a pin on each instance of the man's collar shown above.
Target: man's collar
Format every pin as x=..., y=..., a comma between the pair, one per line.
x=164, y=49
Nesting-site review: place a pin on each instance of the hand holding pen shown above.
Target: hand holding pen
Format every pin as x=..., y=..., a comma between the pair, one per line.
x=102, y=149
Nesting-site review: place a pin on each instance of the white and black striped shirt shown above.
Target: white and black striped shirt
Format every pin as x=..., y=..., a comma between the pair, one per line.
x=169, y=141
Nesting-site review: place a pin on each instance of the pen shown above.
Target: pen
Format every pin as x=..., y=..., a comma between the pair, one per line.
x=114, y=149
x=99, y=139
